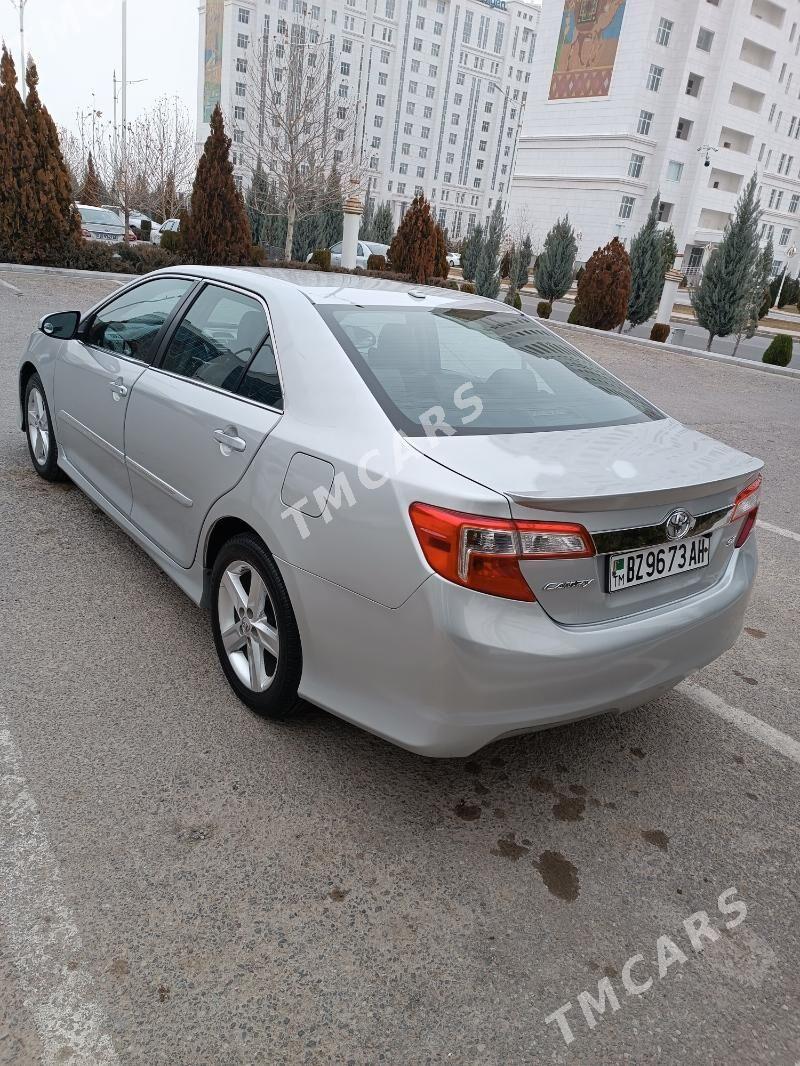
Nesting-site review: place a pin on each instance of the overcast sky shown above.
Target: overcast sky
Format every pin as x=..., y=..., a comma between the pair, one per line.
x=78, y=43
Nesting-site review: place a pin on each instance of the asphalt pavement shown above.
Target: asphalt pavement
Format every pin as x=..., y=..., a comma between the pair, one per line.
x=183, y=883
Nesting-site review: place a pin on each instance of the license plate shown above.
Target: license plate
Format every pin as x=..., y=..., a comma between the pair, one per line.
x=651, y=564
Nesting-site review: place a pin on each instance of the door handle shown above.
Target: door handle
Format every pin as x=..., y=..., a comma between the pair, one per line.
x=118, y=389
x=229, y=439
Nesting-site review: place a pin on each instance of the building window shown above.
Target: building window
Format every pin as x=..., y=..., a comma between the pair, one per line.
x=705, y=38
x=242, y=40
x=684, y=129
x=645, y=122
x=448, y=176
x=767, y=231
x=238, y=136
x=376, y=142
x=239, y=113
x=420, y=172
x=241, y=66
x=674, y=170
x=654, y=78
x=635, y=165
x=378, y=121
x=345, y=69
x=626, y=207
x=664, y=211
x=347, y=46
x=783, y=240
x=380, y=100
x=241, y=89
x=694, y=83
x=794, y=203
x=244, y=16
x=403, y=168
x=664, y=32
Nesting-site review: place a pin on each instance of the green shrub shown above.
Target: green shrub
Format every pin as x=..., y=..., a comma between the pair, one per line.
x=659, y=332
x=321, y=258
x=575, y=317
x=517, y=301
x=467, y=286
x=142, y=258
x=779, y=353
x=171, y=241
x=451, y=283
x=258, y=255
x=376, y=262
x=544, y=309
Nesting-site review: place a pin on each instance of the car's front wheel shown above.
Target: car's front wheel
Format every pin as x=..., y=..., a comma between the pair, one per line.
x=255, y=630
x=39, y=431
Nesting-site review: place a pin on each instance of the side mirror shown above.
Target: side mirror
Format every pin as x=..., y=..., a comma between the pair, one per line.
x=61, y=326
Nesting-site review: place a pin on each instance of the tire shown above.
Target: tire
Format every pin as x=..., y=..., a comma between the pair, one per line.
x=39, y=432
x=260, y=651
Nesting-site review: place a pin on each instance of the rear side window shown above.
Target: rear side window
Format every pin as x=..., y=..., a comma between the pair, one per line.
x=217, y=338
x=130, y=325
x=478, y=371
x=261, y=382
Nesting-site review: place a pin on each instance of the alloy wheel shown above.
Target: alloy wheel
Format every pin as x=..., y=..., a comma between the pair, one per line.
x=248, y=626
x=38, y=427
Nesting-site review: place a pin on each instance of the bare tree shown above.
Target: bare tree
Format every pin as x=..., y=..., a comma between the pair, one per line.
x=73, y=156
x=160, y=161
x=299, y=125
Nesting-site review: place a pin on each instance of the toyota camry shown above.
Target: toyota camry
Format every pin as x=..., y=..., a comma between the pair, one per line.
x=421, y=510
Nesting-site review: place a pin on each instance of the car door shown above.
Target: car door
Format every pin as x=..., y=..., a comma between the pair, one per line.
x=95, y=374
x=197, y=418
x=336, y=254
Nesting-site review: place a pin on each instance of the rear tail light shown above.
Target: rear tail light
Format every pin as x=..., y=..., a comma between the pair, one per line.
x=746, y=506
x=484, y=553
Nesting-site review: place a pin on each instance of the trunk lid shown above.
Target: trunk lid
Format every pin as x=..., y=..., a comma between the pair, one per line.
x=622, y=483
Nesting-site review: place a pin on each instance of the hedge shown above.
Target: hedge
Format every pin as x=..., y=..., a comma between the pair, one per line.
x=779, y=352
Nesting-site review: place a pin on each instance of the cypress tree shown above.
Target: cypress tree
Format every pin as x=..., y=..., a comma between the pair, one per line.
x=382, y=224
x=330, y=220
x=215, y=230
x=721, y=297
x=19, y=204
x=647, y=274
x=759, y=285
x=442, y=267
x=669, y=249
x=487, y=278
x=365, y=229
x=90, y=192
x=256, y=202
x=520, y=275
x=413, y=247
x=555, y=266
x=470, y=253
x=604, y=288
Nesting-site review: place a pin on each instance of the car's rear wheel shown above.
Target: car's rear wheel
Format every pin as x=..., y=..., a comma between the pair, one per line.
x=255, y=630
x=39, y=431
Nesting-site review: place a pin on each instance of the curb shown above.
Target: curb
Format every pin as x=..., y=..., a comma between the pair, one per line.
x=64, y=272
x=715, y=357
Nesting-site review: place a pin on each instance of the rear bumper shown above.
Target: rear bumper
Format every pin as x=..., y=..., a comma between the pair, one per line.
x=452, y=670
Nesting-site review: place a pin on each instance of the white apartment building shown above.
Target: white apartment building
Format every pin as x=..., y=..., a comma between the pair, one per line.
x=443, y=86
x=691, y=80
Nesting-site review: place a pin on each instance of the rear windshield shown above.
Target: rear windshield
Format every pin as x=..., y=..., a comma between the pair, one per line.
x=99, y=216
x=478, y=372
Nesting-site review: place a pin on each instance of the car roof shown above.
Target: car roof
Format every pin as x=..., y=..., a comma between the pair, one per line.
x=355, y=290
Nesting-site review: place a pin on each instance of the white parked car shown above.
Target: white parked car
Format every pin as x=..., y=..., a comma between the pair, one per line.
x=135, y=220
x=100, y=224
x=172, y=225
x=363, y=251
x=454, y=259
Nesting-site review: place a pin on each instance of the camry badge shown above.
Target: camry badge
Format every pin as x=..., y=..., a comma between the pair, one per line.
x=679, y=524
x=562, y=586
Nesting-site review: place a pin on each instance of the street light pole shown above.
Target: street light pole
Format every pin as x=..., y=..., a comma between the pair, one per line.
x=20, y=6
x=124, y=159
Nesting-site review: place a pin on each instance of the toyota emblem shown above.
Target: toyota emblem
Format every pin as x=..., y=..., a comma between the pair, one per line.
x=679, y=524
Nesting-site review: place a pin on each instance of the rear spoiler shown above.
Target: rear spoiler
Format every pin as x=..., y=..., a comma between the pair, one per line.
x=621, y=501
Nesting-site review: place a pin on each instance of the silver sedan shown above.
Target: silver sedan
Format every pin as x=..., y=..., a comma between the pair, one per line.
x=421, y=510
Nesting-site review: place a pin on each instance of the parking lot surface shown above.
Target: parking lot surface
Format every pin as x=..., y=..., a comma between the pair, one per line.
x=183, y=883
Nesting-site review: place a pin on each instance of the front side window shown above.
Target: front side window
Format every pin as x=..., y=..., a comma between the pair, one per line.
x=479, y=371
x=217, y=338
x=130, y=325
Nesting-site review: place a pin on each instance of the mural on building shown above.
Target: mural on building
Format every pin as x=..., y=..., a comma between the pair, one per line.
x=587, y=48
x=212, y=86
